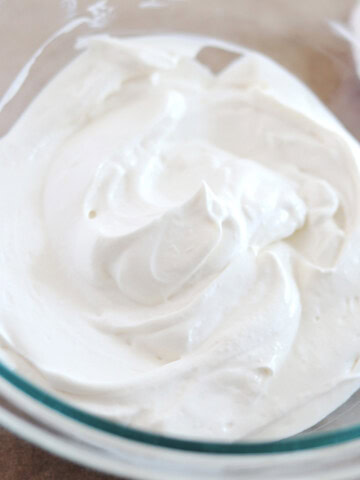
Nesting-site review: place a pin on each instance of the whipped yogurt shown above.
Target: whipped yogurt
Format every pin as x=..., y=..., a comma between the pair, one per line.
x=180, y=248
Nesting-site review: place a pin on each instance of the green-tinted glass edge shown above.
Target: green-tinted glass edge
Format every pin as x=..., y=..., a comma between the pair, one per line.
x=288, y=445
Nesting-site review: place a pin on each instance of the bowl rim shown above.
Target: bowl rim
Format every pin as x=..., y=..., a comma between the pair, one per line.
x=298, y=443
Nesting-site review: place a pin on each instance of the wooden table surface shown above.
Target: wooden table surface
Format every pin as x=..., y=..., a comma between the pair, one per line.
x=20, y=460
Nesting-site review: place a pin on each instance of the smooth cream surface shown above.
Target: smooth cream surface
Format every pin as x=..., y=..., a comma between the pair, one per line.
x=180, y=249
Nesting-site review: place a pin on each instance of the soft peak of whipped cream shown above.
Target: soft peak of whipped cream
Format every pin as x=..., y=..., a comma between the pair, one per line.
x=157, y=260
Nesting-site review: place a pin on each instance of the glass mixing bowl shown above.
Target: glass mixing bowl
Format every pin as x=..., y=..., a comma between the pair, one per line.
x=36, y=40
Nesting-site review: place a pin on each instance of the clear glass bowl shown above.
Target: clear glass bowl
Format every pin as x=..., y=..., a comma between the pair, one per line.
x=298, y=36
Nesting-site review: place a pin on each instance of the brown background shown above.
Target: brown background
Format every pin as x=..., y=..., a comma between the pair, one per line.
x=22, y=461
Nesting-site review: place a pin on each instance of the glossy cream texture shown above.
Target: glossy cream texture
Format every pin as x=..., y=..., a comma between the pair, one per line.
x=180, y=248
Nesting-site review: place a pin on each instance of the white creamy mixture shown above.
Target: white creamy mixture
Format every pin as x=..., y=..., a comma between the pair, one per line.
x=180, y=250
